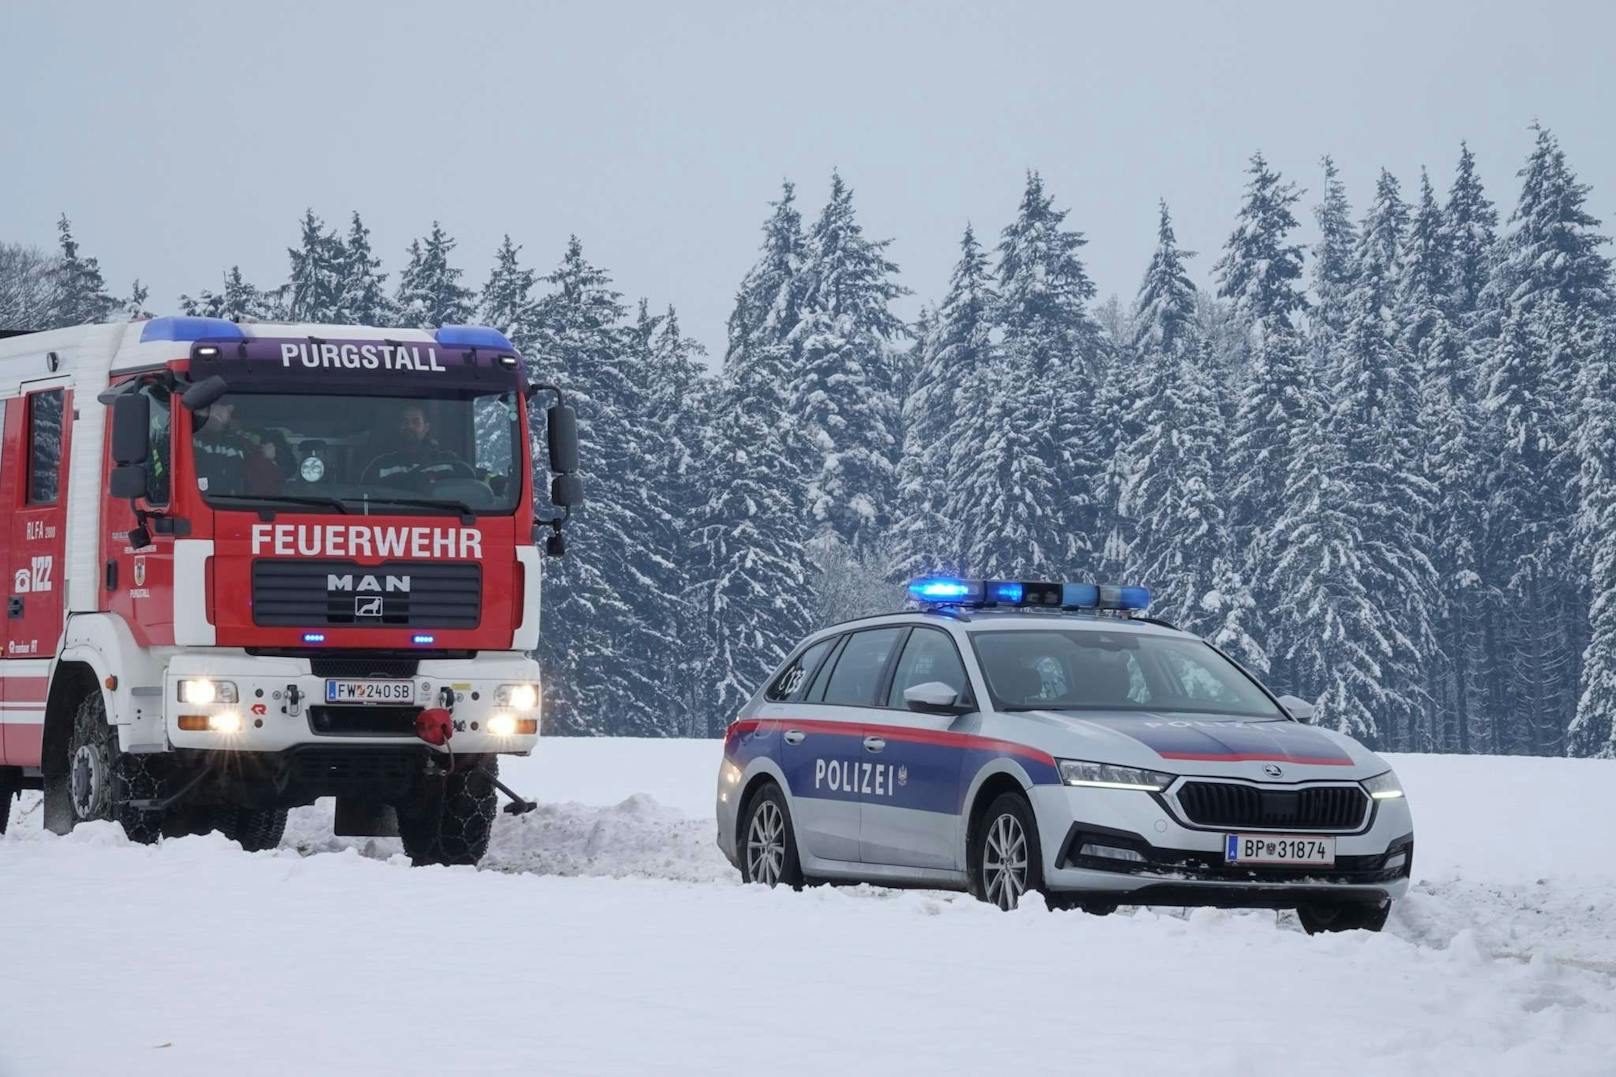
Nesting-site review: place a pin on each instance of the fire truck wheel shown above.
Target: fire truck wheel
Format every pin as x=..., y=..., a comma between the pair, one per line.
x=450, y=821
x=254, y=829
x=100, y=781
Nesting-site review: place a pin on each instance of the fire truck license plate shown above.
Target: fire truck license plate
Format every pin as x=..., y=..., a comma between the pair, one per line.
x=1279, y=849
x=370, y=691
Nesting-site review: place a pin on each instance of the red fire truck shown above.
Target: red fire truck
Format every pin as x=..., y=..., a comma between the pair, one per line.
x=248, y=566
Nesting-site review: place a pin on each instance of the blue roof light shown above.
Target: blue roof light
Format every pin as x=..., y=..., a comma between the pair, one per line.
x=1005, y=591
x=1080, y=596
x=943, y=589
x=188, y=329
x=472, y=336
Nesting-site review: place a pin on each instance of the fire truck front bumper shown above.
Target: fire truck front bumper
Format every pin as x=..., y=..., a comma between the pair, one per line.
x=239, y=702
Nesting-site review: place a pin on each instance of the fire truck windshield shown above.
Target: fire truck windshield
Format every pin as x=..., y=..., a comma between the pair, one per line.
x=337, y=453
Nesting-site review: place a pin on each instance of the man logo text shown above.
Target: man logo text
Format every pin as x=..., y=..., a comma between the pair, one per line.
x=372, y=584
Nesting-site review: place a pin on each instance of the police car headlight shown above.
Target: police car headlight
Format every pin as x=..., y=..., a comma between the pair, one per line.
x=1384, y=786
x=200, y=691
x=518, y=697
x=1110, y=776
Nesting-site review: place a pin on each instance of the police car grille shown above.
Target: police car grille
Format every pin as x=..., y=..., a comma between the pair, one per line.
x=297, y=593
x=1323, y=807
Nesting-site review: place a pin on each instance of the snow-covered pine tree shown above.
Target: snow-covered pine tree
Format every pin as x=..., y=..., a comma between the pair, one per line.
x=841, y=375
x=429, y=290
x=958, y=342
x=313, y=291
x=81, y=296
x=1472, y=224
x=1592, y=732
x=1553, y=247
x=362, y=286
x=1171, y=491
x=1278, y=396
x=1053, y=356
x=238, y=301
x=606, y=615
x=1374, y=392
x=134, y=308
x=1332, y=256
x=507, y=302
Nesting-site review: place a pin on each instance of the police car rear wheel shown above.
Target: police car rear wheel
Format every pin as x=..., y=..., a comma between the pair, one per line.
x=768, y=843
x=1007, y=859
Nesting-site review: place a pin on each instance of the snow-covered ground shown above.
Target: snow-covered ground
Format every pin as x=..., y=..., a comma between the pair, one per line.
x=605, y=934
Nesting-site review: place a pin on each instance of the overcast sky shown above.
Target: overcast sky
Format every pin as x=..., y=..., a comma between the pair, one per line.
x=181, y=138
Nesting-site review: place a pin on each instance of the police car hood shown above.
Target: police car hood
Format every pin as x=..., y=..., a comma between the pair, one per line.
x=1186, y=743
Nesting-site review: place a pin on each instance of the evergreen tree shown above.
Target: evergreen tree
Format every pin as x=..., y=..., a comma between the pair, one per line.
x=1593, y=729
x=843, y=374
x=313, y=293
x=1553, y=248
x=1471, y=223
x=1332, y=255
x=362, y=286
x=1260, y=267
x=1053, y=356
x=239, y=301
x=80, y=294
x=608, y=623
x=507, y=302
x=752, y=535
x=134, y=308
x=429, y=290
x=958, y=342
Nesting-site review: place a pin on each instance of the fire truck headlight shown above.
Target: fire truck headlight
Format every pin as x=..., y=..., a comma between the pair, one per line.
x=200, y=691
x=502, y=725
x=518, y=697
x=225, y=722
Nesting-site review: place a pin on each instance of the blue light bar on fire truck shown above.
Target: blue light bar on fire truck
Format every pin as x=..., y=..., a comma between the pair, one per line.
x=1026, y=594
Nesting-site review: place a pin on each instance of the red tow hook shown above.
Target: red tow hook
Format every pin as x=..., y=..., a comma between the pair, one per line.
x=435, y=725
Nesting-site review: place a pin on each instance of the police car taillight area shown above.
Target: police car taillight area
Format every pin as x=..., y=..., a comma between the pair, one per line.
x=1009, y=736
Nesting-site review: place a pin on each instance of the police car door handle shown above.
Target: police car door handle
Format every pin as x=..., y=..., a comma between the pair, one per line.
x=794, y=736
x=874, y=744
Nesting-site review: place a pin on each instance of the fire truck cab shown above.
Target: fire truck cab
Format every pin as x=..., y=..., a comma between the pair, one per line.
x=251, y=565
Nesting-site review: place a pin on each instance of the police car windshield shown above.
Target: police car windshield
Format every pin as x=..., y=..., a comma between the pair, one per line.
x=337, y=453
x=1096, y=670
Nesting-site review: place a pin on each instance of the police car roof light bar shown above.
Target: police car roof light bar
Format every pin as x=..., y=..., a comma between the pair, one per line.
x=1026, y=594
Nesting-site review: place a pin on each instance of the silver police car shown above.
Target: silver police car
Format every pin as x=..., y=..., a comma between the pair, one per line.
x=1009, y=736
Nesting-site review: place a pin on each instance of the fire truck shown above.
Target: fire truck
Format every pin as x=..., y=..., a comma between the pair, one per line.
x=248, y=566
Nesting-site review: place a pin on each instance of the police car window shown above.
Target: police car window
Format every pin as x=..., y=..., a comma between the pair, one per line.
x=792, y=683
x=1114, y=671
x=858, y=670
x=928, y=656
x=816, y=687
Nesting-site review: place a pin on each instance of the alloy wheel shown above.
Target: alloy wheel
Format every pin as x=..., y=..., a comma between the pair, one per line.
x=1004, y=862
x=766, y=845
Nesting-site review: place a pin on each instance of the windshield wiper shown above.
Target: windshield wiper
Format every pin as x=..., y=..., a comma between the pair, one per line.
x=288, y=499
x=424, y=503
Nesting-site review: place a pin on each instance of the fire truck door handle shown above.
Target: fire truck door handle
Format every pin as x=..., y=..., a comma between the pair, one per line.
x=14, y=606
x=794, y=736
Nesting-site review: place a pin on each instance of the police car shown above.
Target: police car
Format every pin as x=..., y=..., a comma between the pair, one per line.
x=1009, y=736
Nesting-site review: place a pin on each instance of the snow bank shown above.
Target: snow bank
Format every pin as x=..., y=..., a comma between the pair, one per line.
x=610, y=937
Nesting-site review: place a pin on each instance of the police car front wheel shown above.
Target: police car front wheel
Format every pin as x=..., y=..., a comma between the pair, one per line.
x=768, y=842
x=1005, y=859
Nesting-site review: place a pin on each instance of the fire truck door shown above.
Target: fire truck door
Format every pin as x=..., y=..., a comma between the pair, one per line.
x=38, y=430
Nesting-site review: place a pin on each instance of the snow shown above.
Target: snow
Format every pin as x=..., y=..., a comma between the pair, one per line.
x=607, y=935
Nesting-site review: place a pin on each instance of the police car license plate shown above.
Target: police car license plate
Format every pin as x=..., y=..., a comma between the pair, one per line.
x=1278, y=849
x=371, y=691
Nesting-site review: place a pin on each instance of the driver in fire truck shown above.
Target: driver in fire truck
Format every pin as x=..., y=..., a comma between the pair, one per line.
x=228, y=458
x=416, y=454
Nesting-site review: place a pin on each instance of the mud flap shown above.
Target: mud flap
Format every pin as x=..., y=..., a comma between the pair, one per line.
x=365, y=819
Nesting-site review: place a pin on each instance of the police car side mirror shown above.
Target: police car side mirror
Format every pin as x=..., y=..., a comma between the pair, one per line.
x=933, y=697
x=204, y=393
x=1297, y=708
x=131, y=421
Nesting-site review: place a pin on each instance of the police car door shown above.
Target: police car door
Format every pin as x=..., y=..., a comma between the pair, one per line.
x=910, y=816
x=820, y=750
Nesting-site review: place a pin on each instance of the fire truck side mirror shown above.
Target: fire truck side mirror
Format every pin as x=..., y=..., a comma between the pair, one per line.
x=204, y=393
x=561, y=422
x=566, y=491
x=128, y=481
x=131, y=424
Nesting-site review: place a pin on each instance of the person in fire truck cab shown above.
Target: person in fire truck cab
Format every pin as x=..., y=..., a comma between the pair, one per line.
x=229, y=459
x=417, y=456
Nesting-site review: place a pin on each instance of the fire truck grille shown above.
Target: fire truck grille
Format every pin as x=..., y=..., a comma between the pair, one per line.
x=395, y=594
